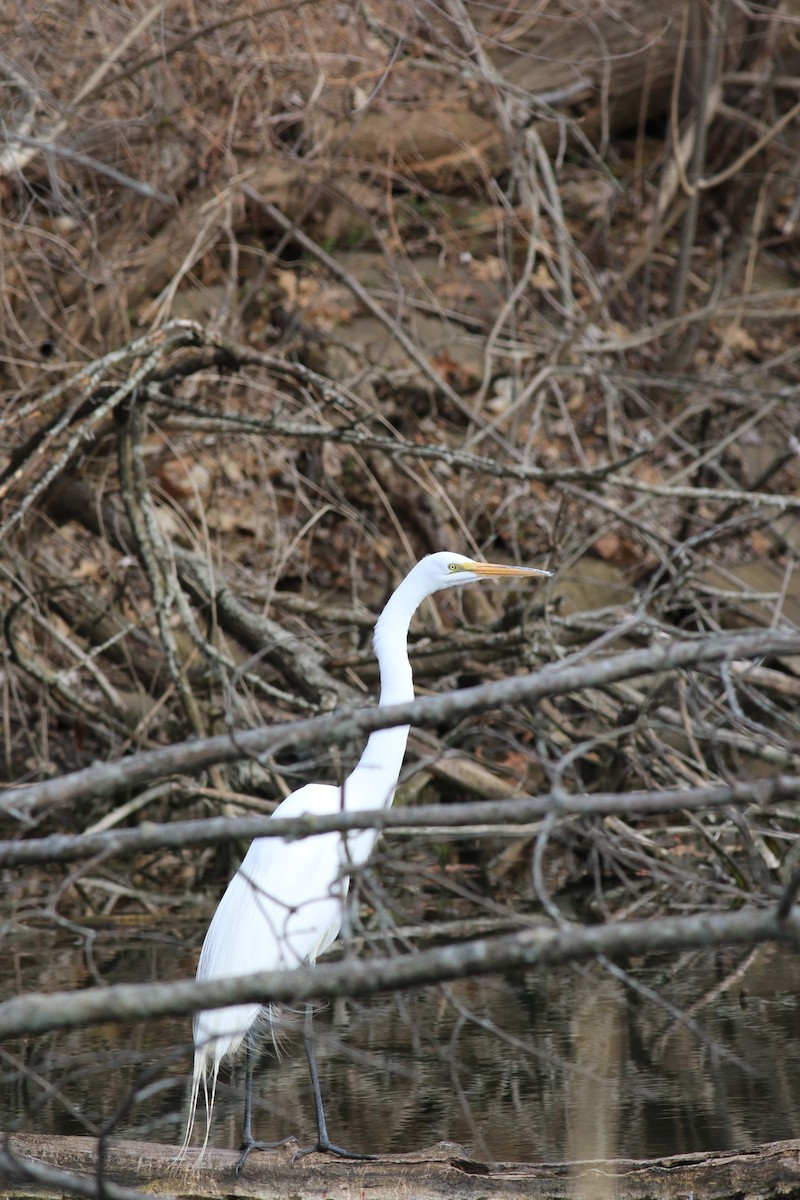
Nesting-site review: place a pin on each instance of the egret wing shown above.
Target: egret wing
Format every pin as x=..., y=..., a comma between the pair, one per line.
x=282, y=908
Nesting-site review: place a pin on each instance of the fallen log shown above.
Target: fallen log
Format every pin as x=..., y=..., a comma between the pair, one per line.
x=445, y=1170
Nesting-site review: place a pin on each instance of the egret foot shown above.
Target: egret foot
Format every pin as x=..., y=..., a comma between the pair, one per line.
x=249, y=1144
x=327, y=1147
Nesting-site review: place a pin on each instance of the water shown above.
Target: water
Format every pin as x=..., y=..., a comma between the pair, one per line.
x=538, y=1066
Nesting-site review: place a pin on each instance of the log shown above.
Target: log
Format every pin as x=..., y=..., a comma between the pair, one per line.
x=445, y=1170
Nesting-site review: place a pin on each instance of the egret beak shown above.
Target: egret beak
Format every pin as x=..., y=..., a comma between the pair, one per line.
x=501, y=571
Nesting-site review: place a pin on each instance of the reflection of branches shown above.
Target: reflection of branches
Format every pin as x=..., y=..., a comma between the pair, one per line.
x=524, y=949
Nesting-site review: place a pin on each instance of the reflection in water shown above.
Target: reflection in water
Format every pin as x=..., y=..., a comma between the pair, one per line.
x=540, y=1066
x=594, y=1092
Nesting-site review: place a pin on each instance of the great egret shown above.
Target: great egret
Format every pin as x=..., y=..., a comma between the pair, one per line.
x=284, y=905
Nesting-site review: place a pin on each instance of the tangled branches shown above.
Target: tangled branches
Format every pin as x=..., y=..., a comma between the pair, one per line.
x=264, y=346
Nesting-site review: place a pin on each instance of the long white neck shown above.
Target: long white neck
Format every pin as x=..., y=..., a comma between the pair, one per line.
x=372, y=783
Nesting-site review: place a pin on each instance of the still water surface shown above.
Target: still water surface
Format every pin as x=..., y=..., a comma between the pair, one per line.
x=571, y=1063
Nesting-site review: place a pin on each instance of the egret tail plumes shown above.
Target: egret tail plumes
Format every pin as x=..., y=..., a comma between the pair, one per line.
x=285, y=904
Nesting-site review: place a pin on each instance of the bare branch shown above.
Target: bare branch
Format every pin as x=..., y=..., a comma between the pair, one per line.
x=527, y=948
x=104, y=779
x=480, y=817
x=85, y=160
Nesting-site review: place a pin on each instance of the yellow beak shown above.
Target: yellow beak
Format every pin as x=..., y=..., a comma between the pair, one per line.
x=501, y=571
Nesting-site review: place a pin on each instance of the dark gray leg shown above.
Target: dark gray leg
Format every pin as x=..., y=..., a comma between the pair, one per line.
x=248, y=1141
x=324, y=1144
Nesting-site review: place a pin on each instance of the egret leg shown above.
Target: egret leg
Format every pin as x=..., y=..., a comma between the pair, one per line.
x=324, y=1144
x=249, y=1143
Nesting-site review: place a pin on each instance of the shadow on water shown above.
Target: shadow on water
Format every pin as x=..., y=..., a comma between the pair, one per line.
x=702, y=1053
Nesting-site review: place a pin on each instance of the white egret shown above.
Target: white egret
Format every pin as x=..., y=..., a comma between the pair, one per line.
x=284, y=905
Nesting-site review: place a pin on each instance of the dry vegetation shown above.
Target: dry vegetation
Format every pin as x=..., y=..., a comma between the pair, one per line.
x=293, y=294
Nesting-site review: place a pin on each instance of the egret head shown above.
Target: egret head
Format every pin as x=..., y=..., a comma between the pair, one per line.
x=435, y=573
x=444, y=570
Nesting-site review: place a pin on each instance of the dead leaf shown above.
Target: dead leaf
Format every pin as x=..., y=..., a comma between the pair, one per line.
x=459, y=375
x=453, y=289
x=615, y=548
x=486, y=270
x=542, y=279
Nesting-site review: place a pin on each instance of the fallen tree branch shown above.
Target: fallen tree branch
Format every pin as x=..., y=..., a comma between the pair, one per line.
x=445, y=1170
x=58, y=1181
